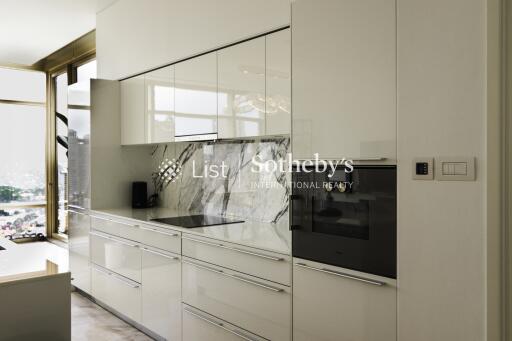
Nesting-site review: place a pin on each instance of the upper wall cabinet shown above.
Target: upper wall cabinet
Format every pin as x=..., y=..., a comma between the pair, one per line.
x=278, y=83
x=241, y=95
x=159, y=111
x=196, y=98
x=344, y=79
x=132, y=111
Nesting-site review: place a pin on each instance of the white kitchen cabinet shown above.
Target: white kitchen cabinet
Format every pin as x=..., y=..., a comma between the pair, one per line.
x=241, y=93
x=198, y=325
x=161, y=293
x=159, y=107
x=79, y=250
x=196, y=98
x=132, y=111
x=344, y=79
x=118, y=292
x=116, y=254
x=256, y=305
x=278, y=118
x=332, y=304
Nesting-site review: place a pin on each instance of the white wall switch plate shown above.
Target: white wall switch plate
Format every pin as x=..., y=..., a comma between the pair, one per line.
x=455, y=168
x=423, y=168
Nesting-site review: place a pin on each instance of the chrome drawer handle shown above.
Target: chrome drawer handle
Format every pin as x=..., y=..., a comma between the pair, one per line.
x=109, y=273
x=218, y=324
x=113, y=239
x=84, y=214
x=240, y=278
x=115, y=221
x=161, y=232
x=341, y=274
x=161, y=254
x=278, y=259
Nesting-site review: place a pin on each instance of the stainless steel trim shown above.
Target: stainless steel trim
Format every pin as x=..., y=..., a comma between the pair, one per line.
x=106, y=236
x=79, y=107
x=32, y=103
x=160, y=254
x=115, y=276
x=240, y=278
x=278, y=259
x=161, y=232
x=218, y=324
x=341, y=274
x=81, y=213
x=203, y=267
x=198, y=137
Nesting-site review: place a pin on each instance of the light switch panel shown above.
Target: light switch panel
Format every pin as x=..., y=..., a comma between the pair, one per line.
x=455, y=168
x=423, y=168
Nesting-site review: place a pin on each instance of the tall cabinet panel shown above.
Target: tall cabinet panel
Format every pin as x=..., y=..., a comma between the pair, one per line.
x=344, y=79
x=241, y=95
x=132, y=111
x=278, y=83
x=159, y=101
x=79, y=249
x=196, y=97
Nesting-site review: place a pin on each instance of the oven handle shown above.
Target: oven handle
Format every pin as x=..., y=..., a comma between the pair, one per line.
x=341, y=274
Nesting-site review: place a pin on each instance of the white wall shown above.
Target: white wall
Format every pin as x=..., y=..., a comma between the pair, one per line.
x=441, y=112
x=133, y=36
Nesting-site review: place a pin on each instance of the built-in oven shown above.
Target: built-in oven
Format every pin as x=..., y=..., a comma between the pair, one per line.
x=346, y=218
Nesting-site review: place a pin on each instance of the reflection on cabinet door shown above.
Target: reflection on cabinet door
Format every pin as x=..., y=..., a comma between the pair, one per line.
x=132, y=111
x=344, y=79
x=241, y=95
x=161, y=293
x=79, y=264
x=159, y=86
x=332, y=304
x=196, y=96
x=278, y=83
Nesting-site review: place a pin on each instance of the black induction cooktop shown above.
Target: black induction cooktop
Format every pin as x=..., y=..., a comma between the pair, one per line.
x=199, y=220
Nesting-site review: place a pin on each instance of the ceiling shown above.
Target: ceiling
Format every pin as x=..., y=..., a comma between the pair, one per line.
x=32, y=29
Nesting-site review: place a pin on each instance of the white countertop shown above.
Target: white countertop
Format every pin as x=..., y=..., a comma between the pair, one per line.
x=265, y=236
x=30, y=260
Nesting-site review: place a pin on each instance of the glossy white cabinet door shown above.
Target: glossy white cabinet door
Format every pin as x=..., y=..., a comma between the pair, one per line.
x=278, y=83
x=344, y=78
x=241, y=96
x=329, y=306
x=79, y=253
x=161, y=293
x=132, y=111
x=159, y=95
x=196, y=96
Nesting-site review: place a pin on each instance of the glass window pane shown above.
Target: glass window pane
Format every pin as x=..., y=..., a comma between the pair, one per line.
x=61, y=93
x=22, y=85
x=22, y=222
x=86, y=71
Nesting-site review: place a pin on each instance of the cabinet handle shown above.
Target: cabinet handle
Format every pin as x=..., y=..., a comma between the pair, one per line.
x=341, y=274
x=240, y=278
x=115, y=221
x=161, y=232
x=218, y=324
x=113, y=239
x=84, y=214
x=278, y=259
x=109, y=273
x=160, y=254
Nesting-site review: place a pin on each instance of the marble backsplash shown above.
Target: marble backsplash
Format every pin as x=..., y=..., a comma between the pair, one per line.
x=238, y=191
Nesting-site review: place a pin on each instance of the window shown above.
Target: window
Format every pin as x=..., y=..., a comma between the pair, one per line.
x=22, y=149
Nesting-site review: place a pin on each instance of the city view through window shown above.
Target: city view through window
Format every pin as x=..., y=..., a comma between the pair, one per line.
x=22, y=146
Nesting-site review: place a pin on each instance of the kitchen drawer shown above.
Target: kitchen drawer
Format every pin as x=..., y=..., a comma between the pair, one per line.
x=198, y=325
x=161, y=238
x=263, y=264
x=118, y=292
x=116, y=254
x=256, y=305
x=115, y=227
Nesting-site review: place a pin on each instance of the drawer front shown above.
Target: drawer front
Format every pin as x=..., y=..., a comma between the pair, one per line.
x=161, y=238
x=116, y=254
x=117, y=228
x=198, y=325
x=161, y=293
x=256, y=305
x=117, y=292
x=263, y=264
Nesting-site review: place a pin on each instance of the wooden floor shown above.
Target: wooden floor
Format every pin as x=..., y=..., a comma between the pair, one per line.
x=93, y=323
